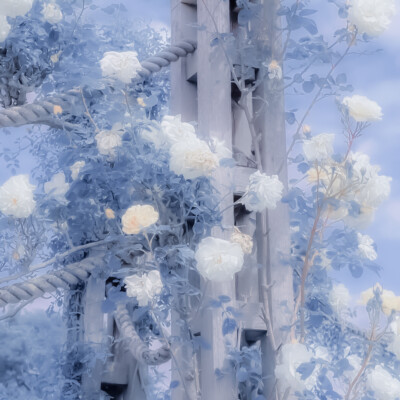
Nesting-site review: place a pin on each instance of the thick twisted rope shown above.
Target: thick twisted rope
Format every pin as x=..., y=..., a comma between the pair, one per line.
x=37, y=287
x=45, y=112
x=137, y=347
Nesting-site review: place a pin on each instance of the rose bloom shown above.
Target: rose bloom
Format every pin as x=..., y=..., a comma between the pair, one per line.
x=15, y=8
x=176, y=131
x=218, y=260
x=365, y=247
x=137, y=218
x=110, y=214
x=4, y=28
x=245, y=241
x=372, y=17
x=144, y=287
x=390, y=302
x=16, y=197
x=383, y=384
x=339, y=298
x=263, y=192
x=76, y=168
x=108, y=141
x=154, y=135
x=52, y=13
x=290, y=357
x=362, y=109
x=319, y=147
x=122, y=66
x=192, y=159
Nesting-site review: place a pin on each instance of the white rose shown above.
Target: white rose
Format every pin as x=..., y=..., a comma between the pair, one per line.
x=218, y=260
x=192, y=159
x=4, y=28
x=16, y=197
x=372, y=17
x=319, y=147
x=57, y=187
x=176, y=131
x=15, y=8
x=363, y=109
x=383, y=384
x=339, y=298
x=108, y=141
x=122, y=66
x=76, y=168
x=394, y=345
x=52, y=13
x=144, y=287
x=290, y=357
x=365, y=247
x=245, y=241
x=263, y=192
x=137, y=218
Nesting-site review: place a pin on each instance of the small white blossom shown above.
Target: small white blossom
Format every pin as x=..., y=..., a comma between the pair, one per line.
x=339, y=298
x=176, y=131
x=263, y=192
x=15, y=8
x=4, y=28
x=372, y=17
x=76, y=168
x=57, y=187
x=144, y=287
x=108, y=141
x=366, y=247
x=394, y=345
x=363, y=109
x=220, y=150
x=52, y=13
x=218, y=260
x=16, y=197
x=122, y=66
x=319, y=148
x=137, y=218
x=383, y=384
x=192, y=159
x=274, y=70
x=290, y=357
x=245, y=241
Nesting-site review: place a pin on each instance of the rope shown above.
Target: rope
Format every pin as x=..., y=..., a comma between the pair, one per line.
x=48, y=283
x=45, y=113
x=137, y=347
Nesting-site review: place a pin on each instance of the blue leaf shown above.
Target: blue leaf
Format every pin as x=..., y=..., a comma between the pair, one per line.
x=224, y=299
x=228, y=326
x=308, y=86
x=174, y=384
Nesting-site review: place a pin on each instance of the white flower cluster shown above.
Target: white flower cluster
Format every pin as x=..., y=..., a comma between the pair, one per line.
x=76, y=169
x=363, y=109
x=137, y=218
x=366, y=247
x=263, y=192
x=394, y=329
x=274, y=70
x=121, y=66
x=218, y=260
x=390, y=302
x=319, y=148
x=16, y=197
x=190, y=156
x=290, y=357
x=52, y=13
x=144, y=287
x=383, y=384
x=108, y=141
x=12, y=9
x=339, y=298
x=372, y=17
